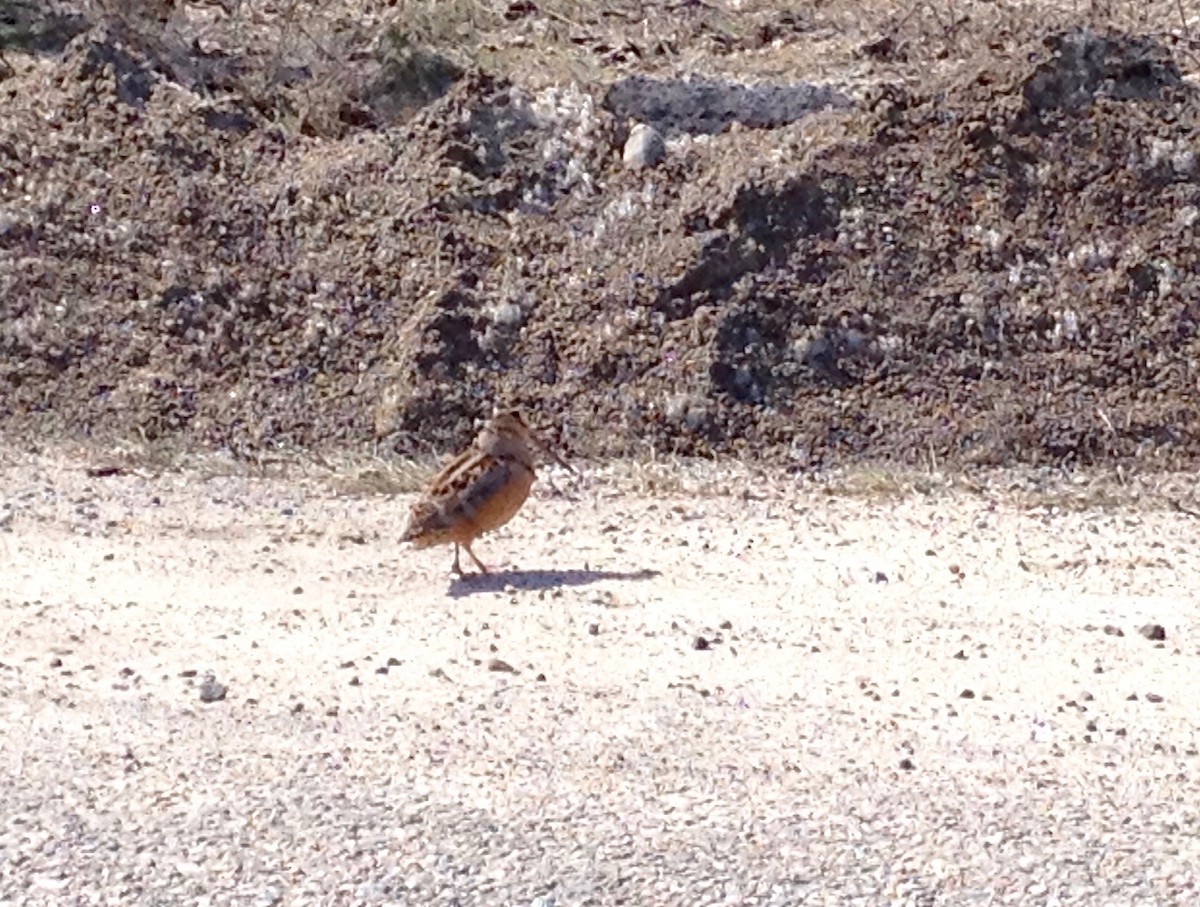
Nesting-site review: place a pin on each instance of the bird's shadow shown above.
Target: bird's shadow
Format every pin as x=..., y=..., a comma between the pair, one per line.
x=533, y=580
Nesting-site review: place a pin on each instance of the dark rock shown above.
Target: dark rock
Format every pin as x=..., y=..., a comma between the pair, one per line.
x=706, y=106
x=1153, y=632
x=211, y=690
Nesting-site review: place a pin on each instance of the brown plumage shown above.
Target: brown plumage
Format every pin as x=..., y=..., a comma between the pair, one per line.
x=479, y=490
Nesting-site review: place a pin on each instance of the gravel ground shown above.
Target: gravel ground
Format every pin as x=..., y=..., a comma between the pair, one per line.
x=771, y=697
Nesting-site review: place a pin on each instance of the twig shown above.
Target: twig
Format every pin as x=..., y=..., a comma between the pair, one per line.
x=1178, y=505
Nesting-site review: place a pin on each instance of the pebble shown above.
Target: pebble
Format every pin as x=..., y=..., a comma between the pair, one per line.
x=1154, y=632
x=644, y=147
x=211, y=690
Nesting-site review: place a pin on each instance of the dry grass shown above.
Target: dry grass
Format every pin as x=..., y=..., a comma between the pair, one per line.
x=1107, y=489
x=375, y=474
x=386, y=58
x=555, y=45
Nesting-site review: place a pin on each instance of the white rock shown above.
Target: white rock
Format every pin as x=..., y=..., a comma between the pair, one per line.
x=644, y=147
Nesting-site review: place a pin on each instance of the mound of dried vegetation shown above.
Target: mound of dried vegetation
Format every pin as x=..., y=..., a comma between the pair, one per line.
x=208, y=238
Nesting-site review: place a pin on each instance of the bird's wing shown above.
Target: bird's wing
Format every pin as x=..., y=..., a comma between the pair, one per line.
x=457, y=493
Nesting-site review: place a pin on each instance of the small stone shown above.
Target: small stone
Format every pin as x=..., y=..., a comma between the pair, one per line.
x=593, y=629
x=1110, y=630
x=1154, y=632
x=644, y=147
x=907, y=764
x=880, y=576
x=501, y=666
x=700, y=644
x=1153, y=697
x=967, y=694
x=508, y=315
x=211, y=690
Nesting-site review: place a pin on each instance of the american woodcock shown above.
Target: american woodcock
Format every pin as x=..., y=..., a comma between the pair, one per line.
x=479, y=490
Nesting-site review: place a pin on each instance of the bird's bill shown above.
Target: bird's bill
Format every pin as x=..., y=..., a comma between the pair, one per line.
x=552, y=455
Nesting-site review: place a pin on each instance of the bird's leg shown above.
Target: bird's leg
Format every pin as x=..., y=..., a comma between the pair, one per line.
x=478, y=562
x=456, y=570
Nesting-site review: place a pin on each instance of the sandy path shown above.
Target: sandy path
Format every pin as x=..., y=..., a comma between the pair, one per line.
x=819, y=746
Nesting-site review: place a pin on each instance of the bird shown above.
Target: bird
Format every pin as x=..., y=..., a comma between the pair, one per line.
x=481, y=489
